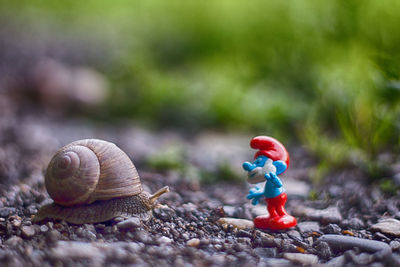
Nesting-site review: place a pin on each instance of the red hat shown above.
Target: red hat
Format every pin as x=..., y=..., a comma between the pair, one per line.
x=270, y=147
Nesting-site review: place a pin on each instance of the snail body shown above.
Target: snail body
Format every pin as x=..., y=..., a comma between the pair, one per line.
x=93, y=181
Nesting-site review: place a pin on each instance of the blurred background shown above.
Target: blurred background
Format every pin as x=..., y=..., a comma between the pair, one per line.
x=320, y=75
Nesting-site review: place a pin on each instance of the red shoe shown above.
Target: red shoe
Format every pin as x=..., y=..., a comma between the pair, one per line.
x=275, y=223
x=261, y=222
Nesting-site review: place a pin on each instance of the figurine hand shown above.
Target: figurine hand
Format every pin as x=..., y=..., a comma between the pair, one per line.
x=255, y=194
x=254, y=190
x=255, y=198
x=273, y=178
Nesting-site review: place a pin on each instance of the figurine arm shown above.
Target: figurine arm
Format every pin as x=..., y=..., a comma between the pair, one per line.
x=255, y=194
x=274, y=179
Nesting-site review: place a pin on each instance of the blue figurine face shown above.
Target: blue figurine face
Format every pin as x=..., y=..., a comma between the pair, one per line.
x=256, y=170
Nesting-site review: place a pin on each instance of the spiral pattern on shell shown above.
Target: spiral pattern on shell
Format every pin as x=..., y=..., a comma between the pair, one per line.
x=89, y=170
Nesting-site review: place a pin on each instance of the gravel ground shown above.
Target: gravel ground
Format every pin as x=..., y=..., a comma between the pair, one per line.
x=344, y=227
x=349, y=223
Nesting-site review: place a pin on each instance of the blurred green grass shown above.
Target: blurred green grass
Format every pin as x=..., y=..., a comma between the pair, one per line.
x=322, y=72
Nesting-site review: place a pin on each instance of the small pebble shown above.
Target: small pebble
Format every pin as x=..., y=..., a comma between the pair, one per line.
x=13, y=241
x=165, y=240
x=75, y=250
x=6, y=211
x=27, y=231
x=243, y=233
x=237, y=223
x=381, y=237
x=274, y=262
x=308, y=226
x=164, y=213
x=143, y=237
x=266, y=252
x=44, y=228
x=323, y=250
x=293, y=234
x=337, y=261
x=16, y=221
x=185, y=236
x=189, y=207
x=356, y=223
x=195, y=242
x=301, y=258
x=332, y=229
x=86, y=234
x=52, y=236
x=388, y=226
x=361, y=259
x=129, y=224
x=395, y=245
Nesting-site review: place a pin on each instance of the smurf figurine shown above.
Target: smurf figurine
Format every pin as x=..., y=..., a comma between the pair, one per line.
x=271, y=159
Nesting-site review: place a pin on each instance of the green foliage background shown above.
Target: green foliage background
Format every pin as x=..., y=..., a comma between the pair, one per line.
x=322, y=72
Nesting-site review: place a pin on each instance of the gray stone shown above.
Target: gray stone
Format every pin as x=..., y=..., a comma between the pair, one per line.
x=363, y=259
x=75, y=250
x=332, y=228
x=185, y=236
x=268, y=240
x=328, y=215
x=243, y=233
x=381, y=237
x=53, y=236
x=129, y=224
x=237, y=223
x=388, y=226
x=308, y=226
x=229, y=210
x=90, y=227
x=6, y=211
x=89, y=235
x=266, y=252
x=164, y=213
x=356, y=223
x=165, y=240
x=27, y=231
x=341, y=243
x=273, y=262
x=144, y=237
x=218, y=259
x=301, y=258
x=13, y=241
x=295, y=235
x=44, y=228
x=189, y=207
x=337, y=261
x=323, y=250
x=395, y=245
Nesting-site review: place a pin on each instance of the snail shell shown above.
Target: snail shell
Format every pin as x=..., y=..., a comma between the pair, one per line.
x=93, y=181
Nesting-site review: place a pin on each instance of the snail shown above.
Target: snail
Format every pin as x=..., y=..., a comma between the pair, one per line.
x=94, y=181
